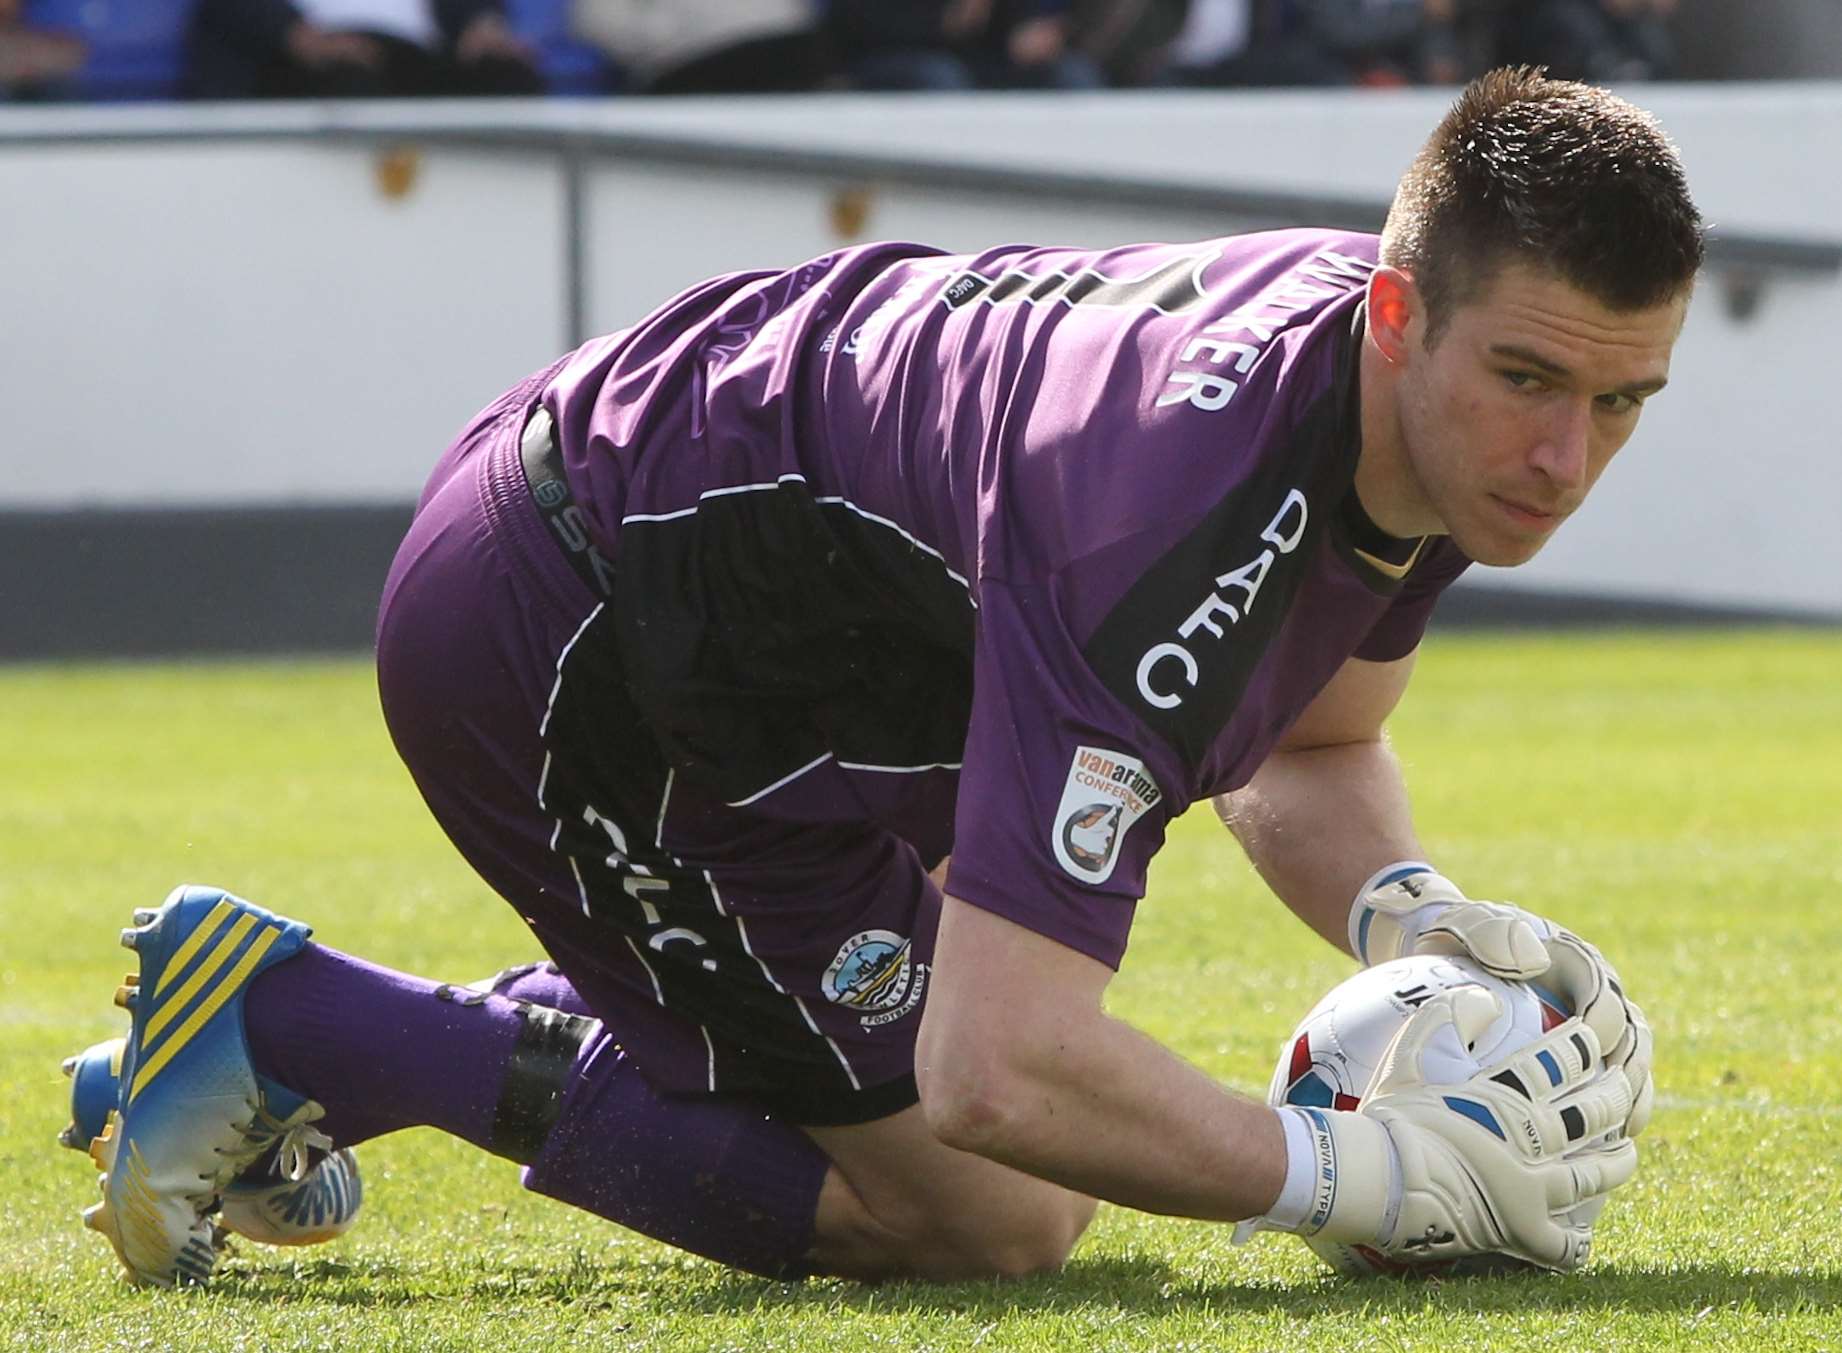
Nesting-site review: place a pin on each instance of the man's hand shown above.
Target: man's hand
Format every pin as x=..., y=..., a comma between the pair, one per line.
x=1412, y=910
x=1438, y=1163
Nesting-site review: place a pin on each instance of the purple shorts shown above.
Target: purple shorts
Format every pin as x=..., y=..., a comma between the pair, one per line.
x=730, y=950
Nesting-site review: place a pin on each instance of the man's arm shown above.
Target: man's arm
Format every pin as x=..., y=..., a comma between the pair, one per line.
x=1328, y=809
x=1329, y=805
x=1016, y=1061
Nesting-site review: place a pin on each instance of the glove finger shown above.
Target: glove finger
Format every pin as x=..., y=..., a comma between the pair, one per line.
x=1633, y=1058
x=1553, y=1064
x=1576, y=975
x=1439, y=1035
x=1578, y=1248
x=1580, y=978
x=1499, y=940
x=1590, y=1174
x=1541, y=1130
x=1548, y=1243
x=1634, y=1054
x=1621, y=1052
x=1541, y=1124
x=1586, y=1213
x=1638, y=1062
x=1474, y=1010
x=1642, y=1102
x=1601, y=1105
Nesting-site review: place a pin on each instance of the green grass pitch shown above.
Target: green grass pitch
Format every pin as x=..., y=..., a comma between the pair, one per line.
x=1676, y=797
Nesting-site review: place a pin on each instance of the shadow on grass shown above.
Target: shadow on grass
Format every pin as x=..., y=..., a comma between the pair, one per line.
x=1151, y=1287
x=1135, y=1285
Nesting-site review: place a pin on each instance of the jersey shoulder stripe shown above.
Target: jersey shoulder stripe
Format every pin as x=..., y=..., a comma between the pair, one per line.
x=1181, y=643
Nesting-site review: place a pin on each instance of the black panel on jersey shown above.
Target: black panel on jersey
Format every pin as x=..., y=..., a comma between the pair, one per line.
x=768, y=628
x=1171, y=288
x=606, y=784
x=742, y=642
x=1320, y=462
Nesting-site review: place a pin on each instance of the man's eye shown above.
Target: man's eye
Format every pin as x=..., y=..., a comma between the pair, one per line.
x=1521, y=380
x=1618, y=403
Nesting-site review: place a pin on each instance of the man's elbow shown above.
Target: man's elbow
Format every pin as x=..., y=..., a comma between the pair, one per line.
x=973, y=1100
x=965, y=1113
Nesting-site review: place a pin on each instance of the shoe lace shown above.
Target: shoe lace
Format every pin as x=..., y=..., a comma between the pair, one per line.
x=293, y=1140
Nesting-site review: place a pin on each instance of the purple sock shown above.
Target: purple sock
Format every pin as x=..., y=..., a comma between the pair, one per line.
x=383, y=1050
x=713, y=1176
x=380, y=1049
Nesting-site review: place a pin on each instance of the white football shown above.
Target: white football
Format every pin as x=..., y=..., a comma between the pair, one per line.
x=1331, y=1057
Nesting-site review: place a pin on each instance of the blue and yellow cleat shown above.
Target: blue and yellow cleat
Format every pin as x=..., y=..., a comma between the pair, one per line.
x=266, y=1206
x=190, y=1113
x=261, y=1204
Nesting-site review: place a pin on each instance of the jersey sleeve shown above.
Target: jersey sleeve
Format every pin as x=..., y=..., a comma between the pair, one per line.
x=1402, y=625
x=1063, y=798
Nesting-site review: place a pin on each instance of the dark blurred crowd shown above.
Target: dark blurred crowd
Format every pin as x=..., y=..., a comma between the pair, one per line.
x=359, y=48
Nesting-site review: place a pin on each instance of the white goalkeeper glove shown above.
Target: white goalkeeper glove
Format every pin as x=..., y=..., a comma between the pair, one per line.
x=1409, y=908
x=1492, y=1162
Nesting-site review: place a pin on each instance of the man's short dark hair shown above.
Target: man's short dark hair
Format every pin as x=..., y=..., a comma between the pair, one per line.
x=1560, y=175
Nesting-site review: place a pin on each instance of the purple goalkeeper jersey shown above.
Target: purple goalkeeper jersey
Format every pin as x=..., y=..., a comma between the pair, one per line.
x=1017, y=554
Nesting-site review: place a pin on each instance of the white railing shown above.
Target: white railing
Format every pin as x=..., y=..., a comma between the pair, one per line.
x=297, y=303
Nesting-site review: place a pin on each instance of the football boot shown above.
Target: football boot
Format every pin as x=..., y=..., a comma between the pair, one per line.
x=191, y=1114
x=258, y=1204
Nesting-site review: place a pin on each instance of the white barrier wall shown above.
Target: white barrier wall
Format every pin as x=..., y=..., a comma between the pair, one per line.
x=269, y=319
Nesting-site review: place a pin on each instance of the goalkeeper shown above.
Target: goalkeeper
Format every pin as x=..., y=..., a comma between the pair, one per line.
x=816, y=665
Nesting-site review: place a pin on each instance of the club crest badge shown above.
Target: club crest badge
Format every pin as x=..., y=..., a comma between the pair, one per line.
x=1104, y=795
x=873, y=974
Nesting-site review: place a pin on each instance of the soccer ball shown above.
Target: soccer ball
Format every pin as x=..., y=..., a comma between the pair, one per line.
x=1331, y=1057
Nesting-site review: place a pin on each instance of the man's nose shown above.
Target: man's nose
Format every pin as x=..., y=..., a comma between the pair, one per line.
x=1562, y=454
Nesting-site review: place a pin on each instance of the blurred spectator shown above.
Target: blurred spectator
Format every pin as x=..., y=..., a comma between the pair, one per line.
x=356, y=49
x=1130, y=40
x=34, y=62
x=1388, y=42
x=710, y=46
x=1250, y=43
x=1335, y=42
x=961, y=44
x=1597, y=40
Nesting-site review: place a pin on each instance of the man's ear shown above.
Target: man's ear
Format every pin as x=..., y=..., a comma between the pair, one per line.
x=1396, y=313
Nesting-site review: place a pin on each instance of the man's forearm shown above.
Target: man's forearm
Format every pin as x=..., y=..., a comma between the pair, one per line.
x=1318, y=822
x=1117, y=1116
x=1032, y=1073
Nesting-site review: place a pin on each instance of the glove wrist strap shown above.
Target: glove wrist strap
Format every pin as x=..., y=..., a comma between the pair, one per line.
x=1293, y=1205
x=1351, y=1178
x=1362, y=914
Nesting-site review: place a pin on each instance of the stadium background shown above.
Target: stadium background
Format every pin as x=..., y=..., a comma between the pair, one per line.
x=233, y=337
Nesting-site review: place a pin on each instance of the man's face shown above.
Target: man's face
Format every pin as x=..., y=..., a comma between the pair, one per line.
x=1512, y=416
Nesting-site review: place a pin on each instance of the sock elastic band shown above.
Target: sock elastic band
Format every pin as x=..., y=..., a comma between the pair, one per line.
x=531, y=1095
